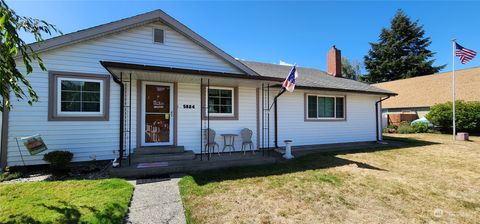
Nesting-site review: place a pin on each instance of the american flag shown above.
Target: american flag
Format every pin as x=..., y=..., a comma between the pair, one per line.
x=464, y=54
x=289, y=83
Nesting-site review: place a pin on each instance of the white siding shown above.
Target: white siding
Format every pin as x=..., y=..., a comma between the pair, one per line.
x=359, y=124
x=189, y=119
x=95, y=139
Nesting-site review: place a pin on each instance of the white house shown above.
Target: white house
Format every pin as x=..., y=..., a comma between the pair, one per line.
x=147, y=81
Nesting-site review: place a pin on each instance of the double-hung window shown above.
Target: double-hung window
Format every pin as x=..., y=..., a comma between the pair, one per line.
x=221, y=102
x=78, y=96
x=320, y=107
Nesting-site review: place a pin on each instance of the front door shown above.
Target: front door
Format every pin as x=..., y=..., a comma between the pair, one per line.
x=157, y=120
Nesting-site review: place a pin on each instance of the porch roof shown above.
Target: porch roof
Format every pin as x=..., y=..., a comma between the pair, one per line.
x=172, y=74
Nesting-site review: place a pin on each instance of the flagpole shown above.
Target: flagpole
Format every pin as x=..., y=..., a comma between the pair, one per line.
x=453, y=86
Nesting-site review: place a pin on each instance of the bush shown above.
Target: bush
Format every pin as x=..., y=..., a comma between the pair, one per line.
x=405, y=128
x=392, y=126
x=420, y=127
x=9, y=174
x=467, y=116
x=59, y=161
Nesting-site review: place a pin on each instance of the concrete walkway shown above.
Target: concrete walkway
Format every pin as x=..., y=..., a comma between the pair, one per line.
x=157, y=202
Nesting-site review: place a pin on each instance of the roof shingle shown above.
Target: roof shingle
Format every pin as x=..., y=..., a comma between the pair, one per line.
x=425, y=91
x=314, y=78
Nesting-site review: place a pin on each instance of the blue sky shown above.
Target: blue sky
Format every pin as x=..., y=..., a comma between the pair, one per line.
x=295, y=32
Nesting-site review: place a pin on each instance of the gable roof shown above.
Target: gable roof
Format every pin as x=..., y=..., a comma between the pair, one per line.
x=425, y=91
x=135, y=21
x=311, y=78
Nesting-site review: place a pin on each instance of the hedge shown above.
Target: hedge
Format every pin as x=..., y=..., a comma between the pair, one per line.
x=467, y=116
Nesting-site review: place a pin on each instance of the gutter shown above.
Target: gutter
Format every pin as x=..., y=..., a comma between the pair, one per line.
x=340, y=90
x=376, y=116
x=200, y=73
x=122, y=114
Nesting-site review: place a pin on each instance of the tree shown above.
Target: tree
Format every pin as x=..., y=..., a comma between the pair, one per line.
x=13, y=48
x=350, y=70
x=401, y=52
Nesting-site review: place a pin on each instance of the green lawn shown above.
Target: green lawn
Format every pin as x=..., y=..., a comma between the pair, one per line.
x=73, y=201
x=428, y=178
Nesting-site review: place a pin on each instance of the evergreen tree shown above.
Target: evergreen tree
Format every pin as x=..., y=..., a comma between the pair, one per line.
x=400, y=53
x=350, y=70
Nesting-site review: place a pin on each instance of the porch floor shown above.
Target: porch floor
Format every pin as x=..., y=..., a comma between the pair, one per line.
x=155, y=164
x=187, y=162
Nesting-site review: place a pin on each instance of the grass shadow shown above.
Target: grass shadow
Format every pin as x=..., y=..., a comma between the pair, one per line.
x=20, y=219
x=389, y=143
x=112, y=213
x=311, y=160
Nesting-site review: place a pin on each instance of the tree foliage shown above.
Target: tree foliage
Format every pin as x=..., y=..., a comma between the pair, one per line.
x=13, y=48
x=350, y=70
x=401, y=52
x=467, y=116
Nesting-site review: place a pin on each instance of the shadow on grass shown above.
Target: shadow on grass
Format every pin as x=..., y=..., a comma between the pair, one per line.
x=391, y=143
x=70, y=214
x=310, y=160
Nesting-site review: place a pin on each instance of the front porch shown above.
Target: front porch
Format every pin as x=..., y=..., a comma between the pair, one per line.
x=150, y=162
x=170, y=107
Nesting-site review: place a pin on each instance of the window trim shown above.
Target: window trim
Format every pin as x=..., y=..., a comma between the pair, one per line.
x=54, y=97
x=164, y=35
x=306, y=118
x=221, y=116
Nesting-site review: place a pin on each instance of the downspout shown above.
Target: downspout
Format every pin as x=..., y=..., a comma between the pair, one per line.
x=122, y=115
x=276, y=115
x=376, y=116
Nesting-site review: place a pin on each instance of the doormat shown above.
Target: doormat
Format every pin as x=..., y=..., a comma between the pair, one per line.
x=151, y=165
x=155, y=179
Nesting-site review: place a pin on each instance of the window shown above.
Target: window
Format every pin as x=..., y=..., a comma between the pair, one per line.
x=79, y=96
x=222, y=102
x=74, y=96
x=325, y=107
x=158, y=36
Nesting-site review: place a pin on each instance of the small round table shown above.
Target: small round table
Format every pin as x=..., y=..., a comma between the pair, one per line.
x=229, y=142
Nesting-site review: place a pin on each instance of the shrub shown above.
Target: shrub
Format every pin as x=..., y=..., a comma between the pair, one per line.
x=405, y=128
x=9, y=174
x=59, y=161
x=392, y=126
x=467, y=115
x=420, y=127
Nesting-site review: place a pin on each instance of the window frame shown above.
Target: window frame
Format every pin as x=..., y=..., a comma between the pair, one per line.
x=54, y=100
x=344, y=118
x=221, y=116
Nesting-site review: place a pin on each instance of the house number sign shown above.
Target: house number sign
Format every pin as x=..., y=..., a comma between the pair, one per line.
x=188, y=106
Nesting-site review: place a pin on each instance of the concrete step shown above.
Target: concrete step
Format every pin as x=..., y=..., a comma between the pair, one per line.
x=148, y=158
x=153, y=150
x=188, y=167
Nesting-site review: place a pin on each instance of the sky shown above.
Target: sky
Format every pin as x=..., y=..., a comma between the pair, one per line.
x=270, y=31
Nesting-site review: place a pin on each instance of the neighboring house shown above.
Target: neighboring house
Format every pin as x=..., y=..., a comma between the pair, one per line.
x=417, y=95
x=142, y=81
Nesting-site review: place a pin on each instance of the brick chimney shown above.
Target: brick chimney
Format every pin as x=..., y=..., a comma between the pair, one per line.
x=334, y=62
